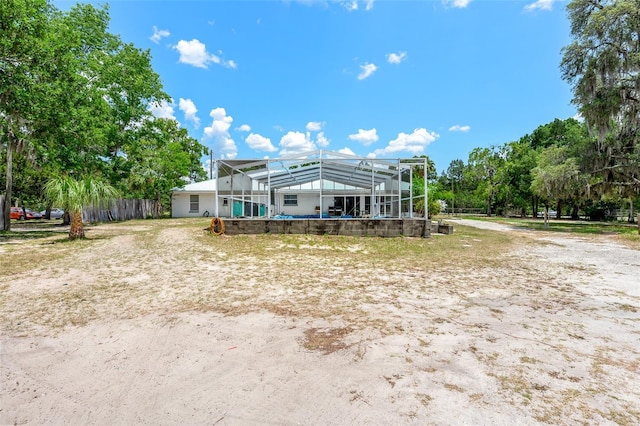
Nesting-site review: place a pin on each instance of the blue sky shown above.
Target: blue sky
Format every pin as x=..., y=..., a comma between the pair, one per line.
x=382, y=78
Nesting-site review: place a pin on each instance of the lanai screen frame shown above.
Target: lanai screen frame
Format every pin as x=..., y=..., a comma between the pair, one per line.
x=320, y=166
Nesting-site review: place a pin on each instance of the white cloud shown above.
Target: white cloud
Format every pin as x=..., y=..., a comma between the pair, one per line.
x=221, y=123
x=347, y=151
x=367, y=70
x=260, y=143
x=296, y=143
x=458, y=4
x=540, y=5
x=322, y=140
x=315, y=126
x=459, y=128
x=163, y=109
x=350, y=5
x=158, y=35
x=218, y=132
x=365, y=137
x=578, y=117
x=189, y=109
x=244, y=128
x=195, y=53
x=396, y=58
x=413, y=143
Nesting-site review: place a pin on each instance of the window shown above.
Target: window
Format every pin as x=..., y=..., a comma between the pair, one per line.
x=225, y=201
x=290, y=199
x=194, y=203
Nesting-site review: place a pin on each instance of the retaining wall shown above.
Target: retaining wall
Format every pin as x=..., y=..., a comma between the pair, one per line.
x=353, y=227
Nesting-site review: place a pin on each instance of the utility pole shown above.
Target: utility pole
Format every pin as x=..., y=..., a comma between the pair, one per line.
x=210, y=164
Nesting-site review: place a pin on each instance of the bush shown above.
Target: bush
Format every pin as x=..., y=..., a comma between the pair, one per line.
x=601, y=210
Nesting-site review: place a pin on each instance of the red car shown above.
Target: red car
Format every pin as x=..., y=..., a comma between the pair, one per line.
x=17, y=213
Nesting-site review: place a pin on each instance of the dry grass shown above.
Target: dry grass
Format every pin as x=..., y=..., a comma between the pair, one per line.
x=134, y=268
x=326, y=341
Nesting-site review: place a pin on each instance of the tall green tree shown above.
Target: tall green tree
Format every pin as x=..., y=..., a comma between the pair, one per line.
x=76, y=194
x=515, y=173
x=570, y=134
x=603, y=66
x=163, y=157
x=74, y=99
x=24, y=31
x=483, y=165
x=557, y=177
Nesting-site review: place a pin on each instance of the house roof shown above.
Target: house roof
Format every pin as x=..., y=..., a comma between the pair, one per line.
x=204, y=186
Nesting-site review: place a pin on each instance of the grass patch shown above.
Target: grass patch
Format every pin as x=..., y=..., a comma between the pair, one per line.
x=565, y=225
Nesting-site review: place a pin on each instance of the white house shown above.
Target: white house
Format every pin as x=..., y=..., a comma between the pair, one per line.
x=315, y=184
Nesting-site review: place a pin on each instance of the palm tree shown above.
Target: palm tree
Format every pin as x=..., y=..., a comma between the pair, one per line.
x=73, y=195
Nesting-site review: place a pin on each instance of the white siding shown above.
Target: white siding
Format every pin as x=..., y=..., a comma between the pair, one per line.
x=306, y=204
x=180, y=202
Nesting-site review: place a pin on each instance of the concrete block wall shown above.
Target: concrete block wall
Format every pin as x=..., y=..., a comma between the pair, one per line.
x=352, y=227
x=441, y=228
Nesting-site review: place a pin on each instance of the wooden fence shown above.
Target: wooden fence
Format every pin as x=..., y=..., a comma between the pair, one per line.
x=124, y=209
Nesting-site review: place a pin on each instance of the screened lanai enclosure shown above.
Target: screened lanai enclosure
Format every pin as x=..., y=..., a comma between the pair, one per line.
x=318, y=192
x=313, y=185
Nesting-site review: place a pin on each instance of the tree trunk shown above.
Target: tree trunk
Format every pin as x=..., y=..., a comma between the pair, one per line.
x=77, y=228
x=574, y=212
x=559, y=210
x=7, y=205
x=66, y=218
x=631, y=212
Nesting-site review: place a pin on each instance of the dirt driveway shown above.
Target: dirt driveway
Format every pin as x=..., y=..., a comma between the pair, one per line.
x=163, y=325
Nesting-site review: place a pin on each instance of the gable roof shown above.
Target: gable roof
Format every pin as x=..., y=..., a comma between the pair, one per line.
x=203, y=186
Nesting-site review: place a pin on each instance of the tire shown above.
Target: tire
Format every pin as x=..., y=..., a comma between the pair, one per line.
x=21, y=217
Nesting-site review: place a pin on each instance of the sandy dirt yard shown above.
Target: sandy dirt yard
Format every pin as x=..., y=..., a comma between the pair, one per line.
x=160, y=323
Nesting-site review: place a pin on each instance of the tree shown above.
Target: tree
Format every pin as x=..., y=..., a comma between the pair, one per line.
x=557, y=177
x=603, y=65
x=73, y=97
x=515, y=174
x=74, y=195
x=163, y=156
x=23, y=78
x=484, y=164
x=434, y=196
x=522, y=157
x=455, y=172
